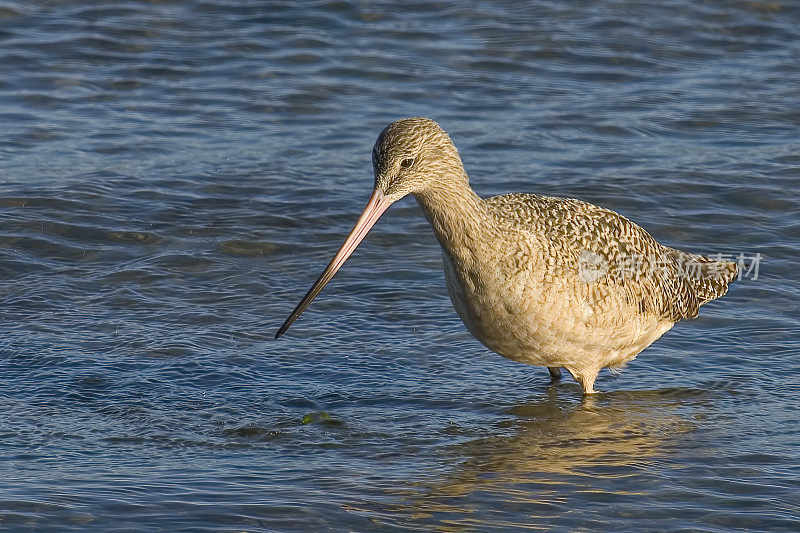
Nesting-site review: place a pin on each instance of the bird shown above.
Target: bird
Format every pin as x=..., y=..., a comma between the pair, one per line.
x=543, y=280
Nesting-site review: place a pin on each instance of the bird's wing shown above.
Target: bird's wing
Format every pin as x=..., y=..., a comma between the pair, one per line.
x=655, y=278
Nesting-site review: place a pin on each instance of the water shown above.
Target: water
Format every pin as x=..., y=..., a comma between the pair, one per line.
x=175, y=174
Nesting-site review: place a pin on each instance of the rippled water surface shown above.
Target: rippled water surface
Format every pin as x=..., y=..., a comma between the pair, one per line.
x=174, y=175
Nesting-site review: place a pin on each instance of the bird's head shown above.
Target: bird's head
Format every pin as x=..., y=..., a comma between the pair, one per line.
x=411, y=156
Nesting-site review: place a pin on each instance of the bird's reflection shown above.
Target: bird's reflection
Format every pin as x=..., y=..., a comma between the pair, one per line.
x=550, y=451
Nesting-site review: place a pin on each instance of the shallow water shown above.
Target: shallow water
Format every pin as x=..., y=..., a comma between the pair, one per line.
x=175, y=175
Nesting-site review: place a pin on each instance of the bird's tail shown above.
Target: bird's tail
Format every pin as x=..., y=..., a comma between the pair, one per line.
x=709, y=278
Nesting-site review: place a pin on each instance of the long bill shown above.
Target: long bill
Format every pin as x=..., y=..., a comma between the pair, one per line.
x=375, y=207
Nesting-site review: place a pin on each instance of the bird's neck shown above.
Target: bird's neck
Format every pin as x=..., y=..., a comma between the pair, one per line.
x=458, y=216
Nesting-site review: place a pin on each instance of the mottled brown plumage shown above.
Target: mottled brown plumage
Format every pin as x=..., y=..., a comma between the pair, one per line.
x=556, y=282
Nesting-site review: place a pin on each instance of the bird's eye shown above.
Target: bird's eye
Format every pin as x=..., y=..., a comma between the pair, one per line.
x=406, y=163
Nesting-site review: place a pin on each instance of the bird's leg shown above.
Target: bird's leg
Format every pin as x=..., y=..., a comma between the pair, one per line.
x=555, y=372
x=586, y=380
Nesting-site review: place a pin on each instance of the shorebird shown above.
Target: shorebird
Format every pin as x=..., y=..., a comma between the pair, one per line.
x=542, y=280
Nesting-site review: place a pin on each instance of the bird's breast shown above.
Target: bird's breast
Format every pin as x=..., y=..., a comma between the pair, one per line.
x=532, y=306
x=496, y=298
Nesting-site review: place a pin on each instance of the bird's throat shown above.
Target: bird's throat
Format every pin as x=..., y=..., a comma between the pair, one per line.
x=458, y=215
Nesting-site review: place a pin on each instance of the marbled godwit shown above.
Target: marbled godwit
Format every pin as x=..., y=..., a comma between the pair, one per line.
x=547, y=281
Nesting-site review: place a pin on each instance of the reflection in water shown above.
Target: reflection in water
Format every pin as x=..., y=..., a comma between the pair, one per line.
x=560, y=452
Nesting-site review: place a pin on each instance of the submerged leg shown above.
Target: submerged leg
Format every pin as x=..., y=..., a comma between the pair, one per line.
x=588, y=386
x=555, y=372
x=586, y=379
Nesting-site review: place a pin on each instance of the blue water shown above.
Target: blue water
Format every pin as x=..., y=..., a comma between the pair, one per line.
x=175, y=174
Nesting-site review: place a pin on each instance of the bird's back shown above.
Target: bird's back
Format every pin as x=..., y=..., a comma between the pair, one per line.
x=603, y=247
